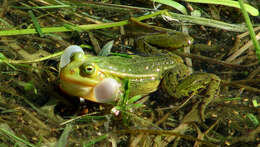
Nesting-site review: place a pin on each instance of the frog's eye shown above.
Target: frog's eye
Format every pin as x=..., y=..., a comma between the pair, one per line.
x=87, y=69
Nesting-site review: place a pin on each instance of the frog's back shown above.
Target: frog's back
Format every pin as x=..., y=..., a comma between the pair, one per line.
x=144, y=73
x=137, y=66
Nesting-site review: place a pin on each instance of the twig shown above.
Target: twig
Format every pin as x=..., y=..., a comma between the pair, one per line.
x=215, y=61
x=242, y=49
x=164, y=132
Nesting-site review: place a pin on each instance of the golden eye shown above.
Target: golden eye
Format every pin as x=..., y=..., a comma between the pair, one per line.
x=87, y=69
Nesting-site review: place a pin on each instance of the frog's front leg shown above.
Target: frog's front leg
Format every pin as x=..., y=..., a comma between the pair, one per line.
x=180, y=86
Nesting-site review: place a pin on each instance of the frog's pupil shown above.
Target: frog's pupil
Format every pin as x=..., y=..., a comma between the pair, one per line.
x=89, y=69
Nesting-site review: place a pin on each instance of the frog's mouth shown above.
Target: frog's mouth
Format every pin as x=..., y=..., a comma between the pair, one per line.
x=107, y=90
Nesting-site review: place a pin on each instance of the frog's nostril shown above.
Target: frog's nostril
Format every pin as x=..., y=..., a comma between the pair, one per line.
x=72, y=71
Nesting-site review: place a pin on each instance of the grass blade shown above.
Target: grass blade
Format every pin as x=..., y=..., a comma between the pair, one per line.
x=83, y=27
x=250, y=28
x=253, y=11
x=134, y=99
x=106, y=49
x=64, y=136
x=36, y=23
x=5, y=130
x=94, y=141
x=173, y=4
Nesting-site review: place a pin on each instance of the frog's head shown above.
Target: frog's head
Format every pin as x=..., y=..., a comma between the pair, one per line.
x=80, y=76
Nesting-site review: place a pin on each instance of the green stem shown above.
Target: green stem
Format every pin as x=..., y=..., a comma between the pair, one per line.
x=231, y=3
x=250, y=28
x=66, y=29
x=209, y=22
x=36, y=60
x=81, y=27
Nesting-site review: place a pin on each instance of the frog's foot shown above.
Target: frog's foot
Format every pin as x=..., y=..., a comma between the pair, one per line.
x=212, y=90
x=200, y=83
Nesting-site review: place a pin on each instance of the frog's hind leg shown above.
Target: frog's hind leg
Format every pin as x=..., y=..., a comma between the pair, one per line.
x=200, y=83
x=160, y=42
x=144, y=48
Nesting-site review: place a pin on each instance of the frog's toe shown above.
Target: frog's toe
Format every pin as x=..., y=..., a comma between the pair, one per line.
x=202, y=111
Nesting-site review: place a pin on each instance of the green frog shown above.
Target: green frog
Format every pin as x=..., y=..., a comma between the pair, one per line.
x=99, y=78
